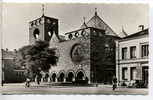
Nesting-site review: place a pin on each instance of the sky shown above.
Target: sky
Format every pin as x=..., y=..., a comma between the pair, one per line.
x=15, y=18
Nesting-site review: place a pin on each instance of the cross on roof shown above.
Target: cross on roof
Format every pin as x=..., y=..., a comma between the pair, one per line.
x=84, y=19
x=95, y=11
x=43, y=8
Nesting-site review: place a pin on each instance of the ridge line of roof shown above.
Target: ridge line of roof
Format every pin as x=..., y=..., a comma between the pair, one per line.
x=137, y=33
x=104, y=23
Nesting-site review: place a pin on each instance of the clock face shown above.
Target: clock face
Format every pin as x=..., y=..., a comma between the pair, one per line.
x=77, y=53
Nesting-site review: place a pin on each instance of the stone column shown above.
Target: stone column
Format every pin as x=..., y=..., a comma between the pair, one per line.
x=36, y=79
x=129, y=73
x=83, y=78
x=49, y=79
x=89, y=81
x=64, y=79
x=73, y=79
x=42, y=79
x=56, y=79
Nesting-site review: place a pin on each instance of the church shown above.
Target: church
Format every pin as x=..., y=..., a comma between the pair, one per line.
x=86, y=54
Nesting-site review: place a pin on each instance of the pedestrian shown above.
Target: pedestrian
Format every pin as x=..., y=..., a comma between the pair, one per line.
x=38, y=80
x=27, y=82
x=114, y=82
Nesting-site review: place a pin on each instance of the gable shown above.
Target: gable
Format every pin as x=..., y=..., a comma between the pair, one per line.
x=97, y=22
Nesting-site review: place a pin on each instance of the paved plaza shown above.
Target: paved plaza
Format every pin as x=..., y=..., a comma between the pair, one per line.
x=47, y=89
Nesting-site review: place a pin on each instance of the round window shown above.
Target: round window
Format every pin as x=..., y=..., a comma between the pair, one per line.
x=77, y=53
x=36, y=33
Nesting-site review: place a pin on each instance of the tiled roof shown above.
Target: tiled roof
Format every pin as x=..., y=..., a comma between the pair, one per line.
x=97, y=22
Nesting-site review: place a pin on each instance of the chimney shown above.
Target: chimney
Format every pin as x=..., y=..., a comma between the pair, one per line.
x=141, y=27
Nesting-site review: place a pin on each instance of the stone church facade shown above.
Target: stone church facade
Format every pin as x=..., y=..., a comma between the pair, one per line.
x=84, y=54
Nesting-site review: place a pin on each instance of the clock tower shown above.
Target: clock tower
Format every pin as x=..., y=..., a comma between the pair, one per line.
x=43, y=28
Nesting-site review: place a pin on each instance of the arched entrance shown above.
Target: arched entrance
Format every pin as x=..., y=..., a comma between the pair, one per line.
x=70, y=77
x=61, y=77
x=54, y=77
x=46, y=77
x=80, y=75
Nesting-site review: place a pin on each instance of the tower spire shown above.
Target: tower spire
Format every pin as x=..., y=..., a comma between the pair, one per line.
x=95, y=11
x=84, y=23
x=43, y=9
x=84, y=19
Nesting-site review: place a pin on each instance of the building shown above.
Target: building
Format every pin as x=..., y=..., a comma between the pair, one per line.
x=10, y=72
x=132, y=57
x=84, y=54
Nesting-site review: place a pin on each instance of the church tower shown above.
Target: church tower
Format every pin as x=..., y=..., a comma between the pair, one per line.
x=43, y=28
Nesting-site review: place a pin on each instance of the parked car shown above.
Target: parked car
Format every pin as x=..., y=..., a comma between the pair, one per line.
x=131, y=84
x=137, y=84
x=124, y=84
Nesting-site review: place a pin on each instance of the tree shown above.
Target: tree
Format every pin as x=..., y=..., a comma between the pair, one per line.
x=37, y=57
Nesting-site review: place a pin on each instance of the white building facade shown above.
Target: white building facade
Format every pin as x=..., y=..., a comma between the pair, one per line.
x=132, y=57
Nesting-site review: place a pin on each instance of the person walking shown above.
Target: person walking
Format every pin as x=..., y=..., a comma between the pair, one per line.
x=27, y=82
x=114, y=82
x=38, y=80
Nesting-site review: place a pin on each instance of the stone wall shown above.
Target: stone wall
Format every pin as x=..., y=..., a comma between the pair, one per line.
x=98, y=62
x=102, y=56
x=65, y=63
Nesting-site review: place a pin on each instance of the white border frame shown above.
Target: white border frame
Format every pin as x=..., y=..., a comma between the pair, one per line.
x=91, y=97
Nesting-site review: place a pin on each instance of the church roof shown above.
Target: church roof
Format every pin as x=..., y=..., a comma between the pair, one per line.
x=97, y=22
